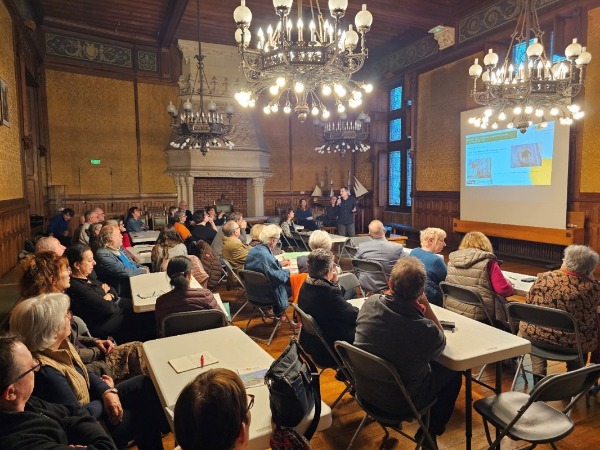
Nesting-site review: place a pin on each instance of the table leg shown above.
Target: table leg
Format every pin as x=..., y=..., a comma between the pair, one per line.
x=498, y=390
x=468, y=408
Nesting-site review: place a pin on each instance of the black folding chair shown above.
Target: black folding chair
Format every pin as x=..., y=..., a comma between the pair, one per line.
x=310, y=326
x=365, y=370
x=191, y=321
x=527, y=417
x=371, y=275
x=549, y=318
x=234, y=280
x=262, y=297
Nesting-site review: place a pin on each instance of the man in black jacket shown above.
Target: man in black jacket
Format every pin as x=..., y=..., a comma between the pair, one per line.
x=27, y=422
x=346, y=209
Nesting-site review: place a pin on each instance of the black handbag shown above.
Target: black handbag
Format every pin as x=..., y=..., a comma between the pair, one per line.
x=293, y=382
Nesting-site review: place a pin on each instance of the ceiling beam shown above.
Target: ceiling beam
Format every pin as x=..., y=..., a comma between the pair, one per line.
x=171, y=22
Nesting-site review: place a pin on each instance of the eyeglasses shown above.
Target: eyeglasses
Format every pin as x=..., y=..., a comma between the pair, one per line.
x=250, y=403
x=36, y=368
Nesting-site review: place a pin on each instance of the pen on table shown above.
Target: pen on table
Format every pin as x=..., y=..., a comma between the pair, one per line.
x=201, y=361
x=512, y=278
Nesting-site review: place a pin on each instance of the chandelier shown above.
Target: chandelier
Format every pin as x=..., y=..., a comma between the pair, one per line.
x=344, y=134
x=535, y=91
x=199, y=128
x=297, y=66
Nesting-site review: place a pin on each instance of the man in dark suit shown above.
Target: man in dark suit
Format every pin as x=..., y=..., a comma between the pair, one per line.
x=381, y=251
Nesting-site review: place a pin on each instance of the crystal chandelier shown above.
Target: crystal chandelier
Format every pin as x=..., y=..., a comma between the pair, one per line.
x=321, y=59
x=197, y=128
x=344, y=134
x=535, y=91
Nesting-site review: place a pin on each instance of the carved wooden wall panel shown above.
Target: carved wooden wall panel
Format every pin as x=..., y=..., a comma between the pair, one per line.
x=14, y=229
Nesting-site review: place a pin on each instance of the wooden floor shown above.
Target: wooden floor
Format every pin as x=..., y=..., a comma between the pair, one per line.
x=347, y=414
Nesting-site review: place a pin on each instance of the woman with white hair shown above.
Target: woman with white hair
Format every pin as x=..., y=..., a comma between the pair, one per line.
x=432, y=243
x=317, y=239
x=130, y=409
x=571, y=288
x=261, y=259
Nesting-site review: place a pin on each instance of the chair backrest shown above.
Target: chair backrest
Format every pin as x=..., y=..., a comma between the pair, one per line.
x=570, y=385
x=350, y=282
x=376, y=274
x=258, y=288
x=232, y=277
x=357, y=240
x=366, y=370
x=287, y=242
x=159, y=222
x=546, y=317
x=465, y=294
x=310, y=326
x=300, y=242
x=82, y=328
x=191, y=321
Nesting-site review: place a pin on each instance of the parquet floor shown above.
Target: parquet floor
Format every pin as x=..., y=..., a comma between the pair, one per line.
x=347, y=414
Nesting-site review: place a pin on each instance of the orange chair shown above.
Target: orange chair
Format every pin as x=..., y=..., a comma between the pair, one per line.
x=296, y=281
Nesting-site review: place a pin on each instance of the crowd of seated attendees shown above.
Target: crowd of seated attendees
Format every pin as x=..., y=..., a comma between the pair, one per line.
x=204, y=227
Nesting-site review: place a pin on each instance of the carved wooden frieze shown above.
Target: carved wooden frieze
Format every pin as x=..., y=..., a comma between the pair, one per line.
x=492, y=17
x=87, y=50
x=407, y=55
x=147, y=60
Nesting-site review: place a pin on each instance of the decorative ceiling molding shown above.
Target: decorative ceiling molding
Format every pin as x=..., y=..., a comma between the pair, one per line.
x=406, y=56
x=220, y=174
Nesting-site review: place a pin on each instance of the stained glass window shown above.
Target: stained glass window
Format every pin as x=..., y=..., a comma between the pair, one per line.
x=395, y=166
x=396, y=98
x=519, y=54
x=395, y=130
x=409, y=164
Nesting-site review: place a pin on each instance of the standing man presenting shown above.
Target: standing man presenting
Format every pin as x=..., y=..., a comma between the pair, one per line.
x=346, y=208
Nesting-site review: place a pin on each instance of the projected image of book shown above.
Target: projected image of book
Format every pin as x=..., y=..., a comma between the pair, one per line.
x=509, y=157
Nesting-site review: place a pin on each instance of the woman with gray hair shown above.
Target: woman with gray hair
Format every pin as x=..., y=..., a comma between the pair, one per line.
x=432, y=243
x=321, y=297
x=261, y=259
x=131, y=409
x=571, y=288
x=317, y=239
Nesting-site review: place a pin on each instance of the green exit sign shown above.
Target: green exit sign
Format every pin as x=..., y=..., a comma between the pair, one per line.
x=95, y=162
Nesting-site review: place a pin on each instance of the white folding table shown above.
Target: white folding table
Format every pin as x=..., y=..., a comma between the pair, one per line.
x=234, y=350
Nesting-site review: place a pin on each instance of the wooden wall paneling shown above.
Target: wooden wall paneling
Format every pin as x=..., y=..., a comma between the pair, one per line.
x=437, y=209
x=14, y=229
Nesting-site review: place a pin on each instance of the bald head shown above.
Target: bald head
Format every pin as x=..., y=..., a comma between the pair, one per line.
x=376, y=229
x=49, y=244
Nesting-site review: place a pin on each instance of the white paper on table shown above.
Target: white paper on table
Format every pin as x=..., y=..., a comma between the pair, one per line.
x=189, y=362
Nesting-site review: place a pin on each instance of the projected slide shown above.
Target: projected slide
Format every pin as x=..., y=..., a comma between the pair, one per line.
x=510, y=158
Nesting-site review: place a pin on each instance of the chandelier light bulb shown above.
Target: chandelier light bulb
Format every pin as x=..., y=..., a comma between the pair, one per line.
x=252, y=103
x=534, y=50
x=326, y=90
x=578, y=115
x=172, y=110
x=246, y=36
x=573, y=50
x=485, y=77
x=299, y=87
x=488, y=112
x=356, y=95
x=267, y=110
x=326, y=114
x=495, y=126
x=554, y=111
x=283, y=4
x=280, y=81
x=475, y=70
x=502, y=116
x=491, y=59
x=363, y=19
x=584, y=57
x=341, y=108
x=274, y=90
x=314, y=111
x=510, y=125
x=287, y=108
x=274, y=107
x=351, y=39
x=544, y=124
x=539, y=112
x=339, y=90
x=518, y=110
x=573, y=108
x=528, y=109
x=471, y=120
x=242, y=14
x=187, y=106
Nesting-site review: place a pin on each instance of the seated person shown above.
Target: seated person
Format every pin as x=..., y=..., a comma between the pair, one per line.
x=168, y=245
x=180, y=227
x=213, y=411
x=49, y=244
x=182, y=297
x=261, y=259
x=171, y=215
x=28, y=422
x=287, y=223
x=379, y=249
x=59, y=226
x=81, y=234
x=234, y=251
x=218, y=219
x=432, y=243
x=98, y=305
x=572, y=289
x=204, y=227
x=402, y=329
x=130, y=409
x=255, y=234
x=94, y=232
x=475, y=265
x=48, y=273
x=113, y=264
x=133, y=223
x=317, y=239
x=304, y=216
x=217, y=244
x=321, y=297
x=183, y=206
